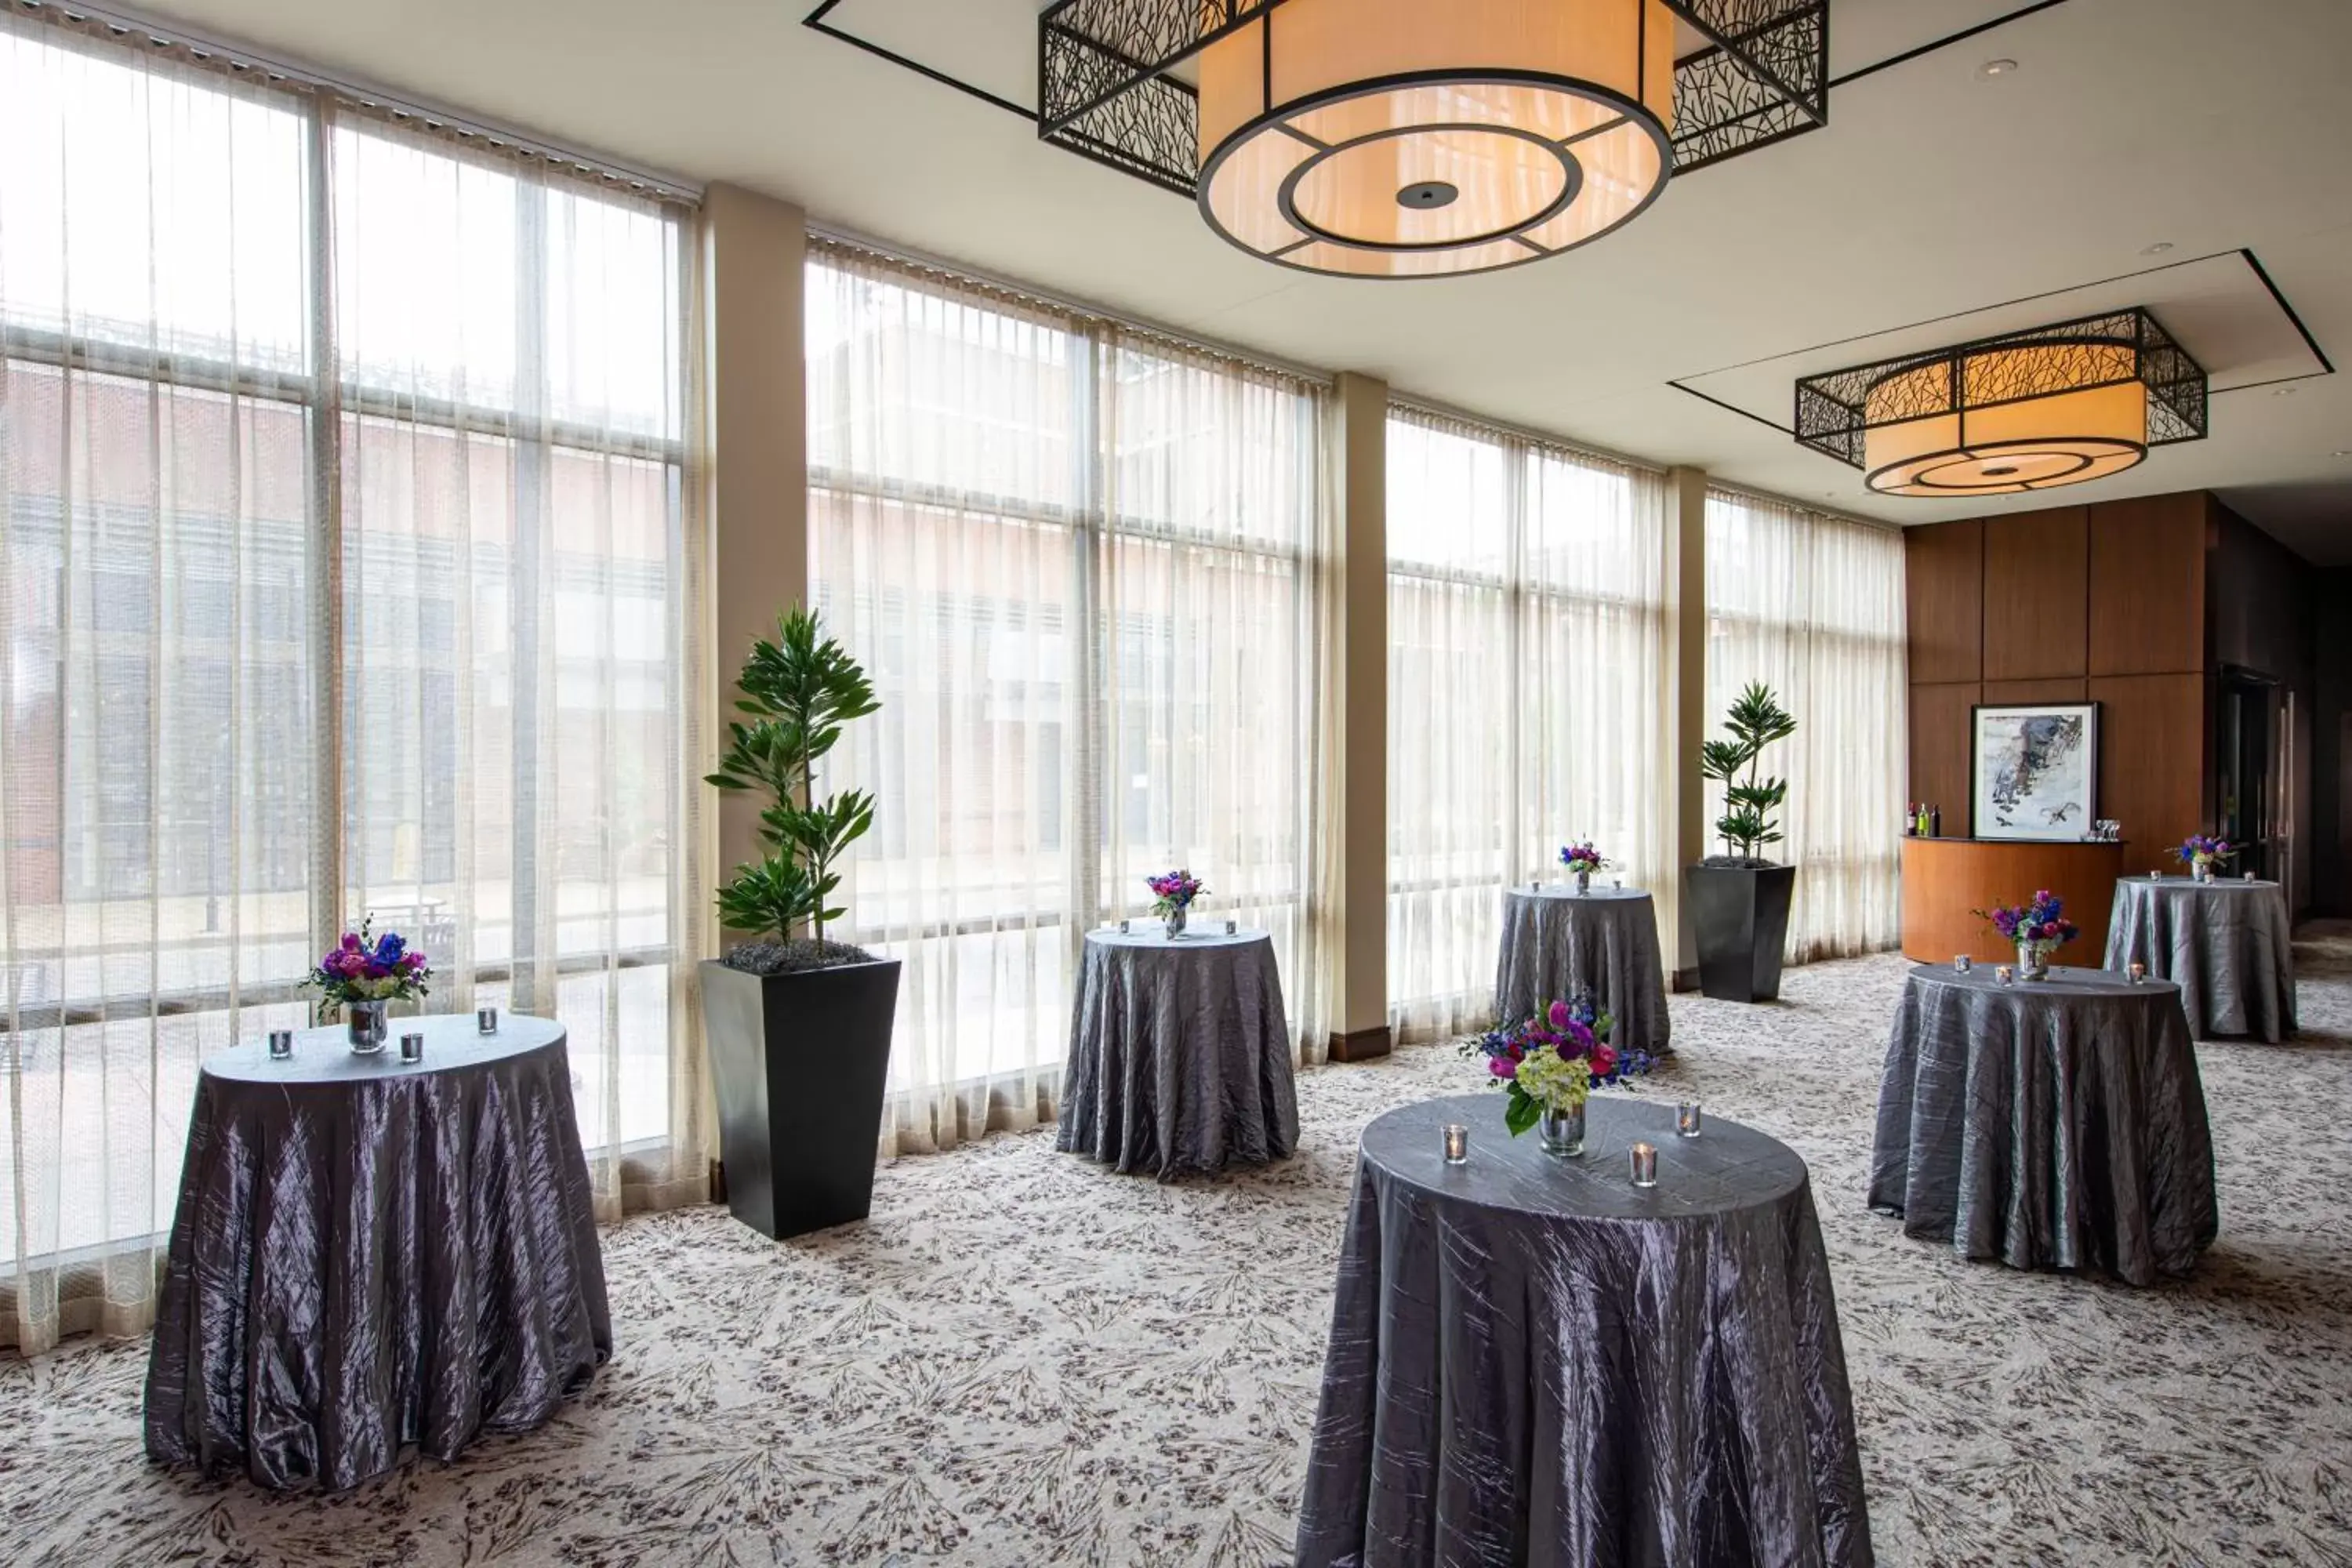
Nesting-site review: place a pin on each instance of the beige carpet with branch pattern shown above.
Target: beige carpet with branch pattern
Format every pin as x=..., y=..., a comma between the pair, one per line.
x=1024, y=1359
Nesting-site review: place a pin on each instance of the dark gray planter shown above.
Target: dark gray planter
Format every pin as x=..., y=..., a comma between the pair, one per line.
x=1739, y=920
x=798, y=1062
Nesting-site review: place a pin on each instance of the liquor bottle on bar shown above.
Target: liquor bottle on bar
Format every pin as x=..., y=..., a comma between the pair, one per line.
x=1910, y=819
x=1935, y=822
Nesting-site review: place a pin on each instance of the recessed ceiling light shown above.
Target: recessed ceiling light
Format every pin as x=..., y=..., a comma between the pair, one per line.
x=2158, y=248
x=1996, y=68
x=2281, y=392
x=2341, y=452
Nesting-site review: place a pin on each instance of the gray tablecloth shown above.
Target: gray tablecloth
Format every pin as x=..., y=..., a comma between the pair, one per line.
x=1180, y=1054
x=2226, y=944
x=1555, y=941
x=1533, y=1360
x=369, y=1253
x=2059, y=1122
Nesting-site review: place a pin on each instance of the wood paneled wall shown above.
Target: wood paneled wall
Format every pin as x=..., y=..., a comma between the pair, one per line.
x=2104, y=602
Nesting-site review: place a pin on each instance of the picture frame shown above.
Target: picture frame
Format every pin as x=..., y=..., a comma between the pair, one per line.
x=2034, y=769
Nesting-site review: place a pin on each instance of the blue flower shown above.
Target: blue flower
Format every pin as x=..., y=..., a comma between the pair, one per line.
x=389, y=947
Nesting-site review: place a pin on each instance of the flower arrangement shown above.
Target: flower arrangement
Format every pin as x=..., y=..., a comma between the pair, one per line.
x=1582, y=858
x=1553, y=1061
x=1173, y=891
x=2037, y=927
x=2202, y=851
x=365, y=967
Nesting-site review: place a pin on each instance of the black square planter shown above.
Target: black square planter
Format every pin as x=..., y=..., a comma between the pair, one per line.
x=1740, y=920
x=799, y=1062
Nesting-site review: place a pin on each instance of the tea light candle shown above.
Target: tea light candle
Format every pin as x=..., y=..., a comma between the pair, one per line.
x=2250, y=876
x=1645, y=1165
x=1458, y=1143
x=281, y=1045
x=2156, y=875
x=1962, y=964
x=2004, y=974
x=1687, y=1119
x=2138, y=974
x=412, y=1047
x=486, y=1019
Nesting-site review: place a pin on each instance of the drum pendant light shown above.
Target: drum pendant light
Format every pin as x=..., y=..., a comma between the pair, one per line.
x=2034, y=410
x=1407, y=139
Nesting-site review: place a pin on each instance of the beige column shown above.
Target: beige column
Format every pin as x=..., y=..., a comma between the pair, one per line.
x=1360, y=436
x=754, y=446
x=1687, y=689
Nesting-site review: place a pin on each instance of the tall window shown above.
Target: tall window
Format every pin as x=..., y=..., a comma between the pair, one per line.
x=326, y=589
x=1527, y=648
x=1078, y=563
x=1812, y=607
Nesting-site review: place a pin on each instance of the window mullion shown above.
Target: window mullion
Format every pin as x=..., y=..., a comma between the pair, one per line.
x=325, y=565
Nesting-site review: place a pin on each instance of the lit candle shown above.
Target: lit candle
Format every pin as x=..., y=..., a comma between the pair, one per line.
x=281, y=1045
x=2004, y=974
x=1962, y=964
x=2250, y=876
x=412, y=1047
x=486, y=1019
x=1645, y=1165
x=2138, y=973
x=1458, y=1143
x=1687, y=1119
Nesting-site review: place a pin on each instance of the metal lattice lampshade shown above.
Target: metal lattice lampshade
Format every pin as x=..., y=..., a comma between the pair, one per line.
x=2032, y=411
x=1410, y=138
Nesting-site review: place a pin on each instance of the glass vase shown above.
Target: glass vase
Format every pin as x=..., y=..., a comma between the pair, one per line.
x=2033, y=960
x=1175, y=922
x=1583, y=883
x=1562, y=1132
x=364, y=1026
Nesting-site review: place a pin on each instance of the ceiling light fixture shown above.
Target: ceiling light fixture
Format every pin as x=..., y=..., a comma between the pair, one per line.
x=1398, y=138
x=2028, y=411
x=1996, y=68
x=2158, y=248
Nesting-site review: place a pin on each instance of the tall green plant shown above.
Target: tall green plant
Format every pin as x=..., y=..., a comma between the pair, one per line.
x=797, y=693
x=1756, y=721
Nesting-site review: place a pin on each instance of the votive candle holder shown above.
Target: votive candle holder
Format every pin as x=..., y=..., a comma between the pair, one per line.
x=2138, y=973
x=412, y=1047
x=281, y=1045
x=1962, y=964
x=486, y=1019
x=2005, y=974
x=1232, y=928
x=1458, y=1143
x=1689, y=1119
x=1645, y=1165
x=1125, y=927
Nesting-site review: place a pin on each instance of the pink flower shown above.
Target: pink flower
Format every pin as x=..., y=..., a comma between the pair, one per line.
x=351, y=942
x=1604, y=1059
x=1559, y=1015
x=1502, y=1066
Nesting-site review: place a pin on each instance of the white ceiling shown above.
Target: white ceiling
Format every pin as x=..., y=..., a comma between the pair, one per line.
x=2211, y=125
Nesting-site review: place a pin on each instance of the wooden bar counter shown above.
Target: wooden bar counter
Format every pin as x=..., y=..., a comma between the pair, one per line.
x=1944, y=878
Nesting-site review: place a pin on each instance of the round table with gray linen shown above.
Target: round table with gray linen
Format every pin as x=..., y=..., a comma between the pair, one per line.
x=2054, y=1123
x=1533, y=1360
x=369, y=1253
x=2225, y=943
x=1180, y=1054
x=1556, y=940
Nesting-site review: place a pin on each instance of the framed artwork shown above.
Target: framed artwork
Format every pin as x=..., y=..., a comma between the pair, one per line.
x=2034, y=769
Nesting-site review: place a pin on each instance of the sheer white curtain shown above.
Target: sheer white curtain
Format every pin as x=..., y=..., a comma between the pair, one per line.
x=259, y=627
x=1528, y=644
x=1812, y=606
x=1078, y=565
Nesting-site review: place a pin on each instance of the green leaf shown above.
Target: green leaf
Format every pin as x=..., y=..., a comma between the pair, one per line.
x=1523, y=1112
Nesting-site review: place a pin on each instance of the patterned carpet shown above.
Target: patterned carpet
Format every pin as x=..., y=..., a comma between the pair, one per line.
x=1023, y=1360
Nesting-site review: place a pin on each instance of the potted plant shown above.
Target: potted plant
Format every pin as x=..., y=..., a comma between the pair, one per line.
x=798, y=1026
x=1738, y=902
